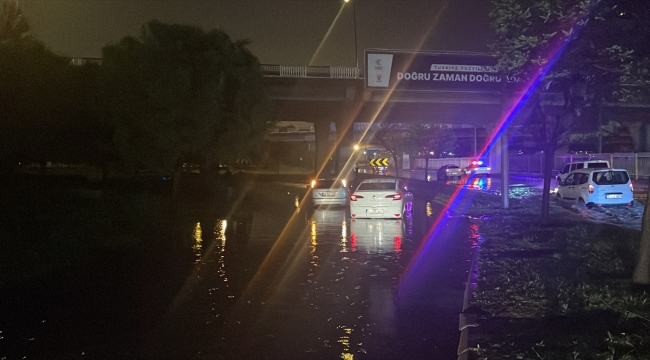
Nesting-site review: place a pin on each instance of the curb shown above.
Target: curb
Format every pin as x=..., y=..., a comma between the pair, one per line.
x=466, y=321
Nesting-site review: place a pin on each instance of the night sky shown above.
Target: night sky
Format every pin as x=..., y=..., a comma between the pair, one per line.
x=286, y=32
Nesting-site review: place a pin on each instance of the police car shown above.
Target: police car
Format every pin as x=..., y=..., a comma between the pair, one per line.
x=478, y=168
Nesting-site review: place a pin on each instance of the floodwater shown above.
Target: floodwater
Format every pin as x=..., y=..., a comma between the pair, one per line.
x=277, y=279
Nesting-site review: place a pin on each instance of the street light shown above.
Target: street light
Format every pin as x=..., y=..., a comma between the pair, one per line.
x=354, y=23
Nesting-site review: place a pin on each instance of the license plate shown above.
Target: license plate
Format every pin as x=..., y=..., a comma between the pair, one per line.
x=374, y=211
x=325, y=194
x=613, y=196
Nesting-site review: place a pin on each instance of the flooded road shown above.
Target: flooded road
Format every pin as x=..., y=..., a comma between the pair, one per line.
x=316, y=284
x=277, y=279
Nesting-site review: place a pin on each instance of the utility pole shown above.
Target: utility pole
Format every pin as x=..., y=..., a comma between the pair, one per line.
x=354, y=23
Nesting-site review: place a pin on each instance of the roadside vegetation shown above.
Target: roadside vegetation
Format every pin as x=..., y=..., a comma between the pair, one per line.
x=561, y=290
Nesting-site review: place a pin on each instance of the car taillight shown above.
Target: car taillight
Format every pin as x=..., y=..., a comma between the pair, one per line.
x=394, y=196
x=591, y=189
x=631, y=187
x=354, y=197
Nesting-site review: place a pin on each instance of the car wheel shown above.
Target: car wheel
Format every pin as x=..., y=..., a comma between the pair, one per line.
x=581, y=203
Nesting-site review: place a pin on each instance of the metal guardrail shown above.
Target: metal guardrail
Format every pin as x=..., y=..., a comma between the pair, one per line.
x=291, y=71
x=297, y=71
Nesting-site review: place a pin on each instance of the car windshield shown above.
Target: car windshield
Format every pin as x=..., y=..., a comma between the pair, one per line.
x=377, y=186
x=598, y=165
x=452, y=167
x=610, y=177
x=329, y=184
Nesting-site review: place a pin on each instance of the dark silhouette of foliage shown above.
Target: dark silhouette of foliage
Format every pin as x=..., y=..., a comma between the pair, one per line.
x=180, y=94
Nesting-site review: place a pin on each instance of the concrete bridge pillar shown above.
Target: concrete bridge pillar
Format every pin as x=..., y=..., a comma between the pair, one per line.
x=323, y=165
x=344, y=146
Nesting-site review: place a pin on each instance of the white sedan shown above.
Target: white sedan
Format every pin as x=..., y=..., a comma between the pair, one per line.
x=380, y=198
x=329, y=192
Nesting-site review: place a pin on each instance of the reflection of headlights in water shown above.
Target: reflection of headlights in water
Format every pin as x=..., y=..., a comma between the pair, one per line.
x=198, y=242
x=220, y=230
x=344, y=236
x=198, y=233
x=376, y=235
x=429, y=210
x=313, y=232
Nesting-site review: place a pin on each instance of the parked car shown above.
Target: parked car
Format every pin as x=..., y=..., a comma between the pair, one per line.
x=478, y=168
x=587, y=164
x=597, y=187
x=448, y=172
x=329, y=192
x=380, y=198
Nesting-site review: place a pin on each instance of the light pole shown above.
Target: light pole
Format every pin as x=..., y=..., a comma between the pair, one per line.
x=354, y=23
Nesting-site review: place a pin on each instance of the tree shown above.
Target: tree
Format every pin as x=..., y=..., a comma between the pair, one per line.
x=571, y=53
x=13, y=25
x=393, y=138
x=430, y=138
x=604, y=56
x=413, y=138
x=179, y=94
x=32, y=90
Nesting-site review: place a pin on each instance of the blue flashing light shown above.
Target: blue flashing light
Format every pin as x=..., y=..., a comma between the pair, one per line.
x=480, y=162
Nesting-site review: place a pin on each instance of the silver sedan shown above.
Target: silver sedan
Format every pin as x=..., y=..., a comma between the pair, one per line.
x=329, y=192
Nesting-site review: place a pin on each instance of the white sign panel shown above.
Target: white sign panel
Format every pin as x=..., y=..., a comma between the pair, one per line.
x=379, y=66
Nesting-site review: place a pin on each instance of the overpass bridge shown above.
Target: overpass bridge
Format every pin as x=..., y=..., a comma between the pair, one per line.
x=324, y=95
x=340, y=95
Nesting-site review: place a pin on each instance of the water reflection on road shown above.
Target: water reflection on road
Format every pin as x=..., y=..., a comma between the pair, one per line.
x=311, y=283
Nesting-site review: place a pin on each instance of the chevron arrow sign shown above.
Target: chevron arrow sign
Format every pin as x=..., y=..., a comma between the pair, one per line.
x=379, y=162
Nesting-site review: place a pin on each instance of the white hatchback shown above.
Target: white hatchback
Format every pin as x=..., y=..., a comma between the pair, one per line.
x=380, y=198
x=597, y=187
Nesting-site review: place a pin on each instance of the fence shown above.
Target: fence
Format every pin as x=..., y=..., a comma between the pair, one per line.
x=637, y=164
x=435, y=164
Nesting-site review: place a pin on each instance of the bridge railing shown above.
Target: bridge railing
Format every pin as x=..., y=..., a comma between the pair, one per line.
x=298, y=71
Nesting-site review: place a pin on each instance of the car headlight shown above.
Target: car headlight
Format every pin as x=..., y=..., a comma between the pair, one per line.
x=313, y=183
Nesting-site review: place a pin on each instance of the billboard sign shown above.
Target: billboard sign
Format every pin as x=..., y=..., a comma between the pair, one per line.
x=404, y=70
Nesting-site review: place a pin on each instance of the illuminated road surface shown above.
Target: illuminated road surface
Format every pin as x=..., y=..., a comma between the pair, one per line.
x=322, y=287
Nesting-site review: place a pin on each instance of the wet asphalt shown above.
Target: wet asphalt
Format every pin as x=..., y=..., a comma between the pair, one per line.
x=274, y=279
